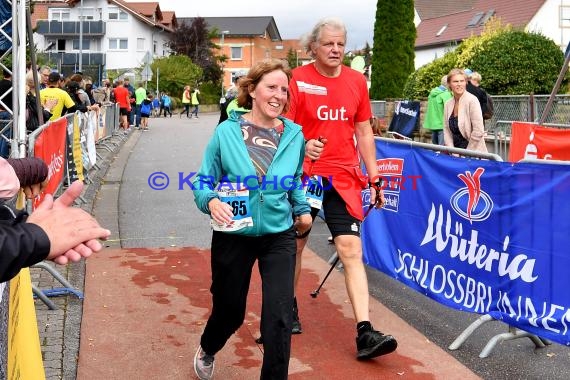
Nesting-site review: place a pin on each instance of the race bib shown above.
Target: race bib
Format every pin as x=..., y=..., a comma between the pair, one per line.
x=314, y=191
x=238, y=199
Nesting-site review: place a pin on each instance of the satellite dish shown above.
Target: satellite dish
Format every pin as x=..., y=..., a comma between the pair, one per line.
x=358, y=64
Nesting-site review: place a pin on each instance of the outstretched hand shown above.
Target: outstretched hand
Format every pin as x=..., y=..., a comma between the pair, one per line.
x=73, y=233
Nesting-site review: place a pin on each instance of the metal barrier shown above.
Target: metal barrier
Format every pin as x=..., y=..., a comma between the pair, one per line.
x=105, y=124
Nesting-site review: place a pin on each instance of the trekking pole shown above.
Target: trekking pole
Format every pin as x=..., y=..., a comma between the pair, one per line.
x=315, y=293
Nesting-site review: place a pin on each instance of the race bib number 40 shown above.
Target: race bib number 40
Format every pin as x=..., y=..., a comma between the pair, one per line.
x=314, y=192
x=238, y=199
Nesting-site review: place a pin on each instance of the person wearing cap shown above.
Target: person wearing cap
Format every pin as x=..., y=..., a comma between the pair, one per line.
x=186, y=98
x=230, y=97
x=52, y=91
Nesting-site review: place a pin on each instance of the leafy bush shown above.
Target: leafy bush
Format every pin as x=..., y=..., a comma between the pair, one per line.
x=511, y=62
x=518, y=62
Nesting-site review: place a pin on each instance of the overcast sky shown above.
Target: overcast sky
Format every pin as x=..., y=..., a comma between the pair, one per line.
x=293, y=17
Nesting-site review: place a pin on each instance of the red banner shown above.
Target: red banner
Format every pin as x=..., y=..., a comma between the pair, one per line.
x=535, y=141
x=50, y=146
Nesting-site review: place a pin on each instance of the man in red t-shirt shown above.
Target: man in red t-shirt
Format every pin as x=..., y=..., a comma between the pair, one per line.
x=330, y=101
x=122, y=97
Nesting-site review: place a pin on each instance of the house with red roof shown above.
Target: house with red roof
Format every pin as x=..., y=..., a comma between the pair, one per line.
x=443, y=24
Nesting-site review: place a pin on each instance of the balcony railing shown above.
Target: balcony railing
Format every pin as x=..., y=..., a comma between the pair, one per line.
x=72, y=58
x=70, y=28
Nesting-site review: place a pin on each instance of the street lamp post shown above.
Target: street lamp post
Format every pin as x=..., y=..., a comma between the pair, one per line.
x=222, y=51
x=81, y=38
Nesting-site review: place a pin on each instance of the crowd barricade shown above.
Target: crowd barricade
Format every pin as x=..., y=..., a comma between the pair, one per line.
x=68, y=146
x=464, y=244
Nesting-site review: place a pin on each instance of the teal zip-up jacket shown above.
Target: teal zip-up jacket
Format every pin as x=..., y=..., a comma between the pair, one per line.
x=272, y=204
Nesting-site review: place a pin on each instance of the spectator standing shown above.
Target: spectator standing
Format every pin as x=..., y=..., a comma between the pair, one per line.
x=54, y=92
x=5, y=113
x=476, y=90
x=330, y=101
x=145, y=110
x=434, y=113
x=462, y=117
x=44, y=74
x=195, y=102
x=123, y=99
x=140, y=96
x=131, y=117
x=231, y=94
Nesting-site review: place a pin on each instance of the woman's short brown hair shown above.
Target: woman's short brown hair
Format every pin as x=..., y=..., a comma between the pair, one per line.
x=248, y=83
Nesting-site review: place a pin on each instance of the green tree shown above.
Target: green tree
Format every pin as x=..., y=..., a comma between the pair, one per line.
x=174, y=72
x=393, y=51
x=292, y=58
x=195, y=41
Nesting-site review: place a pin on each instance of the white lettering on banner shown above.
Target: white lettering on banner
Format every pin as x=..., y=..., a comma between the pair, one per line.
x=326, y=113
x=550, y=317
x=55, y=165
x=465, y=291
x=473, y=252
x=408, y=111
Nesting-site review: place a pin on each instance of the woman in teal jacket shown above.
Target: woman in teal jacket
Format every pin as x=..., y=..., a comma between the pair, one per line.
x=250, y=184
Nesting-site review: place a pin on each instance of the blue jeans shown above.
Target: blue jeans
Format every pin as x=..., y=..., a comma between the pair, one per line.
x=138, y=115
x=437, y=137
x=5, y=145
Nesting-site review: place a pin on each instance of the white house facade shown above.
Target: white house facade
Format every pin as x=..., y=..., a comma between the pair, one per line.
x=116, y=35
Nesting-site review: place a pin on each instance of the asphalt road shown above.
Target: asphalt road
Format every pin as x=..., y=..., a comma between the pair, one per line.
x=153, y=218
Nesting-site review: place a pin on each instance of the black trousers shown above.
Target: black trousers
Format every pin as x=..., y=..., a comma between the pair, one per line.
x=233, y=257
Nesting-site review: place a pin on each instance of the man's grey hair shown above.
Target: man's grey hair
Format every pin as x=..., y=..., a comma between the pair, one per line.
x=313, y=36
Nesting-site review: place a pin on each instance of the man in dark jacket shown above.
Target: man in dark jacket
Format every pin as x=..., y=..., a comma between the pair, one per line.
x=476, y=90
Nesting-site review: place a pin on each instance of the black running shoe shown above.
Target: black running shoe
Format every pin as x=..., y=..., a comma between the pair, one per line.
x=296, y=326
x=372, y=343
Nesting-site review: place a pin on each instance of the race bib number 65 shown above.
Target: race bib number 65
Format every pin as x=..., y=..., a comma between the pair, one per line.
x=238, y=199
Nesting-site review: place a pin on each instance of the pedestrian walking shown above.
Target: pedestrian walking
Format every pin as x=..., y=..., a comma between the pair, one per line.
x=195, y=102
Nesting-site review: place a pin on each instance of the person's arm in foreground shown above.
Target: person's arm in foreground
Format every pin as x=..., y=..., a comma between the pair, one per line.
x=54, y=231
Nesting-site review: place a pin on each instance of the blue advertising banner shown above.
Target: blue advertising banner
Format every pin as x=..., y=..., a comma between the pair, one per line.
x=480, y=236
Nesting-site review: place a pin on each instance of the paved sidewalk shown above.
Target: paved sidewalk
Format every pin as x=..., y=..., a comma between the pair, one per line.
x=145, y=309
